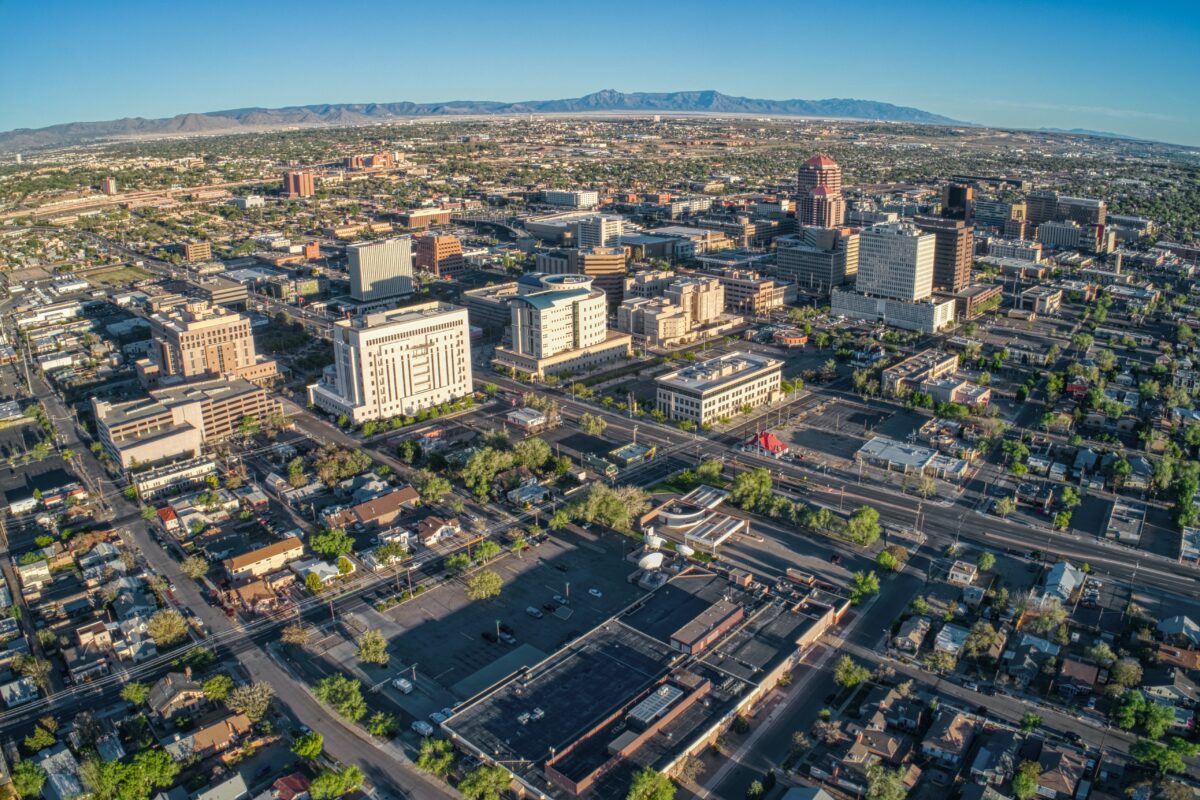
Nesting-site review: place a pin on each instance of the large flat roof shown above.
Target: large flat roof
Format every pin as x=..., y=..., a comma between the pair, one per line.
x=716, y=372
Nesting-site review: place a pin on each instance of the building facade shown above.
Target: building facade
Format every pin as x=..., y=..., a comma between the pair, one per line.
x=380, y=269
x=896, y=261
x=200, y=341
x=819, y=258
x=440, y=255
x=719, y=387
x=953, y=241
x=820, y=200
x=298, y=183
x=396, y=363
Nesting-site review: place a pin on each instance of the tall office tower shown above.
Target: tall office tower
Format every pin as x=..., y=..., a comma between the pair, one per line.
x=109, y=185
x=954, y=243
x=957, y=199
x=381, y=269
x=440, y=254
x=895, y=260
x=1084, y=210
x=601, y=230
x=298, y=183
x=820, y=202
x=1041, y=206
x=820, y=258
x=396, y=362
x=199, y=341
x=604, y=265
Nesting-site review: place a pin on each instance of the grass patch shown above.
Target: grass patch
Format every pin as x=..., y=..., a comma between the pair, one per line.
x=116, y=276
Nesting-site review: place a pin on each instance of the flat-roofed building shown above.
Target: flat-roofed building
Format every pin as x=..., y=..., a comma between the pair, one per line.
x=953, y=246
x=748, y=292
x=440, y=255
x=819, y=258
x=916, y=369
x=199, y=341
x=176, y=422
x=487, y=306
x=420, y=218
x=1020, y=249
x=298, y=183
x=719, y=387
x=601, y=230
x=1040, y=300
x=264, y=560
x=573, y=198
x=196, y=251
x=396, y=362
x=380, y=269
x=604, y=265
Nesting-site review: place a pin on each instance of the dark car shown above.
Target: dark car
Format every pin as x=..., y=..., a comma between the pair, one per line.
x=549, y=607
x=1073, y=737
x=505, y=628
x=560, y=567
x=489, y=636
x=836, y=558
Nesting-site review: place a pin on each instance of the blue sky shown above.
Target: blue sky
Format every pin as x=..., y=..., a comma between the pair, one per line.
x=1127, y=67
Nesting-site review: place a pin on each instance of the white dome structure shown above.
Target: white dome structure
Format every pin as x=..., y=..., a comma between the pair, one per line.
x=651, y=561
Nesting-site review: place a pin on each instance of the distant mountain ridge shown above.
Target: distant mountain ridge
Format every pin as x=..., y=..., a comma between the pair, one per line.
x=709, y=101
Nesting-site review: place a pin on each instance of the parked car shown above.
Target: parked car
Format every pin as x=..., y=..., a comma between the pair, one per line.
x=489, y=636
x=422, y=727
x=403, y=684
x=562, y=601
x=437, y=718
x=549, y=608
x=595, y=592
x=534, y=612
x=505, y=629
x=507, y=638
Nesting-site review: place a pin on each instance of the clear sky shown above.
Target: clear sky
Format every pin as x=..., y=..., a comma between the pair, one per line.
x=1112, y=65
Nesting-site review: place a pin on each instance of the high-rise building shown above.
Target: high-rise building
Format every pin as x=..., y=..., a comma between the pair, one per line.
x=1041, y=206
x=953, y=245
x=1084, y=210
x=559, y=324
x=109, y=186
x=820, y=202
x=957, y=199
x=196, y=251
x=1062, y=234
x=604, y=265
x=298, y=183
x=440, y=254
x=820, y=258
x=747, y=292
x=381, y=269
x=997, y=213
x=601, y=230
x=200, y=341
x=396, y=362
x=896, y=260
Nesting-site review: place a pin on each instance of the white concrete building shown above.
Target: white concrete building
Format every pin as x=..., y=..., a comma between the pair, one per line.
x=719, y=387
x=396, y=362
x=586, y=198
x=381, y=269
x=601, y=230
x=896, y=261
x=929, y=315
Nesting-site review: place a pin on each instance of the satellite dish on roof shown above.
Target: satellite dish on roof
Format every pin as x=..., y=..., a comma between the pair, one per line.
x=685, y=550
x=655, y=542
x=651, y=561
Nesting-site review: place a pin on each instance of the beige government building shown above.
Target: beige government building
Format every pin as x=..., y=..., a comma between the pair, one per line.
x=396, y=362
x=200, y=341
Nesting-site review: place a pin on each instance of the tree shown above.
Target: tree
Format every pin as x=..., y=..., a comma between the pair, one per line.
x=331, y=543
x=709, y=471
x=939, y=661
x=982, y=638
x=650, y=784
x=382, y=724
x=36, y=669
x=484, y=783
x=194, y=566
x=926, y=487
x=296, y=477
x=1164, y=756
x=986, y=561
x=532, y=453
x=752, y=489
x=166, y=628
x=335, y=783
x=135, y=693
x=848, y=673
x=1102, y=654
x=486, y=551
x=1030, y=722
x=888, y=561
x=519, y=544
x=458, y=563
x=312, y=582
x=28, y=779
x=863, y=526
x=308, y=746
x=592, y=424
x=252, y=699
x=1070, y=497
x=390, y=552
x=755, y=790
x=885, y=784
x=40, y=739
x=483, y=585
x=296, y=634
x=1125, y=673
x=1156, y=718
x=1025, y=781
x=863, y=585
x=343, y=694
x=372, y=648
x=434, y=488
x=1005, y=506
x=559, y=520
x=217, y=688
x=436, y=757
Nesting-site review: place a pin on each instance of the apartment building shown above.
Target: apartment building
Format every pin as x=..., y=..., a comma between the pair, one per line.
x=298, y=183
x=396, y=362
x=380, y=269
x=719, y=387
x=196, y=251
x=439, y=254
x=559, y=324
x=199, y=341
x=177, y=421
x=264, y=560
x=819, y=258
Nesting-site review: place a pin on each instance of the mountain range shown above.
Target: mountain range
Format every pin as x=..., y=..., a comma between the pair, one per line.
x=241, y=119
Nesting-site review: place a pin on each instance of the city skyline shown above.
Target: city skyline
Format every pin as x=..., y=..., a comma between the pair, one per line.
x=973, y=64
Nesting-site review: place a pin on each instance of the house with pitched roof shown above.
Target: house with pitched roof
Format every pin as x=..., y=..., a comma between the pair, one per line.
x=949, y=738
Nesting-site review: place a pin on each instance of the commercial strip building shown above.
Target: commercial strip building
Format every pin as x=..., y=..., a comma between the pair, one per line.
x=176, y=422
x=200, y=341
x=894, y=456
x=380, y=269
x=396, y=362
x=168, y=479
x=650, y=688
x=819, y=258
x=559, y=324
x=926, y=365
x=693, y=520
x=719, y=387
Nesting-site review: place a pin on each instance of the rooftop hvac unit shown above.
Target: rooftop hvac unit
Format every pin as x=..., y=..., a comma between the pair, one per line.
x=685, y=550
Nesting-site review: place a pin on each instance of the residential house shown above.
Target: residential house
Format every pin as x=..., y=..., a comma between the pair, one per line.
x=949, y=738
x=907, y=714
x=434, y=529
x=232, y=788
x=376, y=513
x=951, y=639
x=1171, y=685
x=911, y=635
x=1180, y=628
x=962, y=573
x=1061, y=582
x=1061, y=771
x=265, y=559
x=996, y=759
x=1077, y=678
x=19, y=692
x=62, y=773
x=173, y=694
x=291, y=787
x=214, y=738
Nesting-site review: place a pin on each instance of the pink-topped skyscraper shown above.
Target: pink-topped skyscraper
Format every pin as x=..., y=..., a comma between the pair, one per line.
x=820, y=202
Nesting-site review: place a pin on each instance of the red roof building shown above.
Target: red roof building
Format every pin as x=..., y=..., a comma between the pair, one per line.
x=768, y=443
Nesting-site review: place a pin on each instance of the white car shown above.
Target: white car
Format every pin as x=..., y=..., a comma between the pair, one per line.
x=422, y=727
x=403, y=684
x=595, y=592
